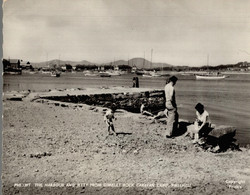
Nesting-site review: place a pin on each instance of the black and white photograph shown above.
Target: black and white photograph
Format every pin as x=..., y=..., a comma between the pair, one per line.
x=125, y=97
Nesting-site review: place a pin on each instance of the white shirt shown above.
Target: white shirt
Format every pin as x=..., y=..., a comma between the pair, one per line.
x=109, y=115
x=204, y=117
x=170, y=95
x=169, y=92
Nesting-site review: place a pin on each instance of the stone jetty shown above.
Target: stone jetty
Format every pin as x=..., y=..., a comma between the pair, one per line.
x=129, y=99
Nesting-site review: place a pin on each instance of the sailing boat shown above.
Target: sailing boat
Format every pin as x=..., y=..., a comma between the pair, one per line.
x=151, y=73
x=114, y=72
x=210, y=76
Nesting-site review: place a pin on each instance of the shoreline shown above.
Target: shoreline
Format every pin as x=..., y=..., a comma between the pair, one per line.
x=33, y=96
x=72, y=146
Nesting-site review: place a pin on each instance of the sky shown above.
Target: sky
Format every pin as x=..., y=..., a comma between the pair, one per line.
x=178, y=32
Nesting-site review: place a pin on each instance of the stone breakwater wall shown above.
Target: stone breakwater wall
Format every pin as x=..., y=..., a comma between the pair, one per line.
x=131, y=101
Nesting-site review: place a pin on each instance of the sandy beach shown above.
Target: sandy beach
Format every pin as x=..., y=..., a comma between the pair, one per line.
x=50, y=149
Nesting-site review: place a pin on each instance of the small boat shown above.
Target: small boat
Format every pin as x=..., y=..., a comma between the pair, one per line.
x=147, y=75
x=114, y=73
x=46, y=72
x=154, y=74
x=104, y=74
x=210, y=77
x=139, y=72
x=55, y=74
x=91, y=74
x=151, y=74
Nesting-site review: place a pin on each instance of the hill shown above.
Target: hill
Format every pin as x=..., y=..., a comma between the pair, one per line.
x=60, y=63
x=138, y=62
x=143, y=63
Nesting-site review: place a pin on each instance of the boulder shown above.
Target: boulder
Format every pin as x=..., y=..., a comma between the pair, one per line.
x=222, y=136
x=222, y=130
x=15, y=99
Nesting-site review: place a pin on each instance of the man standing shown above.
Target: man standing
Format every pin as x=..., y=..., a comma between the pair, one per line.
x=171, y=107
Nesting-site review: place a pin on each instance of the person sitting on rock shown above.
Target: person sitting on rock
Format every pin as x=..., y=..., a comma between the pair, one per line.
x=108, y=118
x=201, y=125
x=203, y=120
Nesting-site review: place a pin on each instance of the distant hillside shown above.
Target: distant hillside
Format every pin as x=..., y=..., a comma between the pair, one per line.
x=60, y=63
x=138, y=62
x=143, y=63
x=116, y=63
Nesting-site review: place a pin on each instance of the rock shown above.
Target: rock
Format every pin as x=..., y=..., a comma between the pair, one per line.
x=221, y=136
x=15, y=99
x=135, y=152
x=222, y=130
x=124, y=151
x=215, y=149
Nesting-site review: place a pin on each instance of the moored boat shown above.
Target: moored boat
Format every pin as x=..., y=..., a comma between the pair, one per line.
x=55, y=74
x=210, y=77
x=114, y=73
x=155, y=74
x=91, y=74
x=151, y=74
x=104, y=74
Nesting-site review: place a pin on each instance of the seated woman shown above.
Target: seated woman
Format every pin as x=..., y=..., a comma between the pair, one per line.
x=201, y=125
x=203, y=120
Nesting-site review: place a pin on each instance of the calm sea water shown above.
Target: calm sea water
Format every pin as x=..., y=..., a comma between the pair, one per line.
x=227, y=101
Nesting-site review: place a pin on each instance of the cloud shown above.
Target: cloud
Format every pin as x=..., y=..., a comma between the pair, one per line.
x=178, y=31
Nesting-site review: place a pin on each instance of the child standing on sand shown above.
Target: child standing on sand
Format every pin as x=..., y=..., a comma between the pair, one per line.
x=108, y=118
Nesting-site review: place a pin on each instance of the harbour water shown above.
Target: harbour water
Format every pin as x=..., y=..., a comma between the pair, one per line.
x=227, y=101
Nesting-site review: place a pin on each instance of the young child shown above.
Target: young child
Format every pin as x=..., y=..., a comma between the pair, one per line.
x=108, y=118
x=144, y=111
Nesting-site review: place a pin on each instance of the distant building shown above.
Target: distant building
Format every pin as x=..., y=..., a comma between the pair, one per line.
x=25, y=65
x=15, y=64
x=12, y=66
x=134, y=68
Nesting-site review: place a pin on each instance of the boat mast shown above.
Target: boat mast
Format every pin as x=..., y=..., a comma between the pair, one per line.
x=207, y=59
x=47, y=59
x=143, y=61
x=151, y=58
x=207, y=62
x=59, y=59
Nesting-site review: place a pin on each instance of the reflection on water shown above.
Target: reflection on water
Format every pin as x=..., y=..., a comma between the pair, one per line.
x=227, y=101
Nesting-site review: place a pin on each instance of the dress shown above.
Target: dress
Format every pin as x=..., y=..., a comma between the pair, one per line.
x=172, y=115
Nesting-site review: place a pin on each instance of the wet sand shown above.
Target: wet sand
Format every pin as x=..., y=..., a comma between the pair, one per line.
x=51, y=144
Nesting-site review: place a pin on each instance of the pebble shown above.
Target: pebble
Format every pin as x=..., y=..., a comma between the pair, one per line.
x=136, y=152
